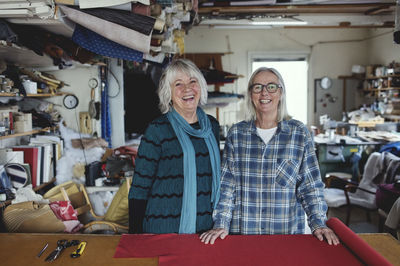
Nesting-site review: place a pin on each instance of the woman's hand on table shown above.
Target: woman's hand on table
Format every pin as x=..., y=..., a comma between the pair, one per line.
x=211, y=235
x=326, y=233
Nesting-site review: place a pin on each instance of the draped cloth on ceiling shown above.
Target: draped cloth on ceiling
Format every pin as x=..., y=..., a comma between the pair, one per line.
x=98, y=44
x=106, y=3
x=140, y=23
x=112, y=31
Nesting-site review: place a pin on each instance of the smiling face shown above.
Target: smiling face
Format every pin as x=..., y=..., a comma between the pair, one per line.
x=185, y=93
x=266, y=103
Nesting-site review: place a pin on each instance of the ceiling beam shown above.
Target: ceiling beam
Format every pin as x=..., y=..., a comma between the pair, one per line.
x=289, y=9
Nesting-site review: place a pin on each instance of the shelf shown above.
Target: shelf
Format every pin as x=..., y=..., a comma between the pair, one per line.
x=25, y=133
x=33, y=95
x=4, y=204
x=383, y=89
x=382, y=77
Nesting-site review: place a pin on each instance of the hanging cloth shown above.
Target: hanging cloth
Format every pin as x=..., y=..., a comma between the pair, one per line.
x=105, y=111
x=108, y=3
x=137, y=22
x=114, y=32
x=102, y=46
x=182, y=130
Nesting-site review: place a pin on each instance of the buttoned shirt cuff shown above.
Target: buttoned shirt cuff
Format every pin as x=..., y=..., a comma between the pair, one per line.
x=317, y=224
x=221, y=224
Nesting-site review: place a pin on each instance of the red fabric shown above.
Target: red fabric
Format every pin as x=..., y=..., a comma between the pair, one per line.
x=174, y=249
x=366, y=253
x=64, y=210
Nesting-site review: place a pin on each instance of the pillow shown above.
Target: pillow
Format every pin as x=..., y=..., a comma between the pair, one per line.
x=118, y=210
x=386, y=195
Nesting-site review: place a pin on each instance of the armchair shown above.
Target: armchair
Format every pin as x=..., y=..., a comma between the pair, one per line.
x=362, y=195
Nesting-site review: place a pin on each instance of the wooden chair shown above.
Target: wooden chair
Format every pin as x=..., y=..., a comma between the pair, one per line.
x=354, y=194
x=81, y=202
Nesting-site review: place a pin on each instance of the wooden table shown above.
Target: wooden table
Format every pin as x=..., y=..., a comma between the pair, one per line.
x=22, y=249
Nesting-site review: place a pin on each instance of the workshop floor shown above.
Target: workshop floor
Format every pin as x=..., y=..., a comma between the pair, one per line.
x=358, y=220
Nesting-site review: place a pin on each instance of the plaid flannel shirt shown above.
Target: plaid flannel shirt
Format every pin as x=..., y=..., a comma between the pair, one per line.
x=265, y=188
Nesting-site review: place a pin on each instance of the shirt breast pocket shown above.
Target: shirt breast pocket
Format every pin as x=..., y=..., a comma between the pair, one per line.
x=287, y=172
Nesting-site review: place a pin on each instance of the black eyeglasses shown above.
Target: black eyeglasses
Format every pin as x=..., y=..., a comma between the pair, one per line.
x=270, y=87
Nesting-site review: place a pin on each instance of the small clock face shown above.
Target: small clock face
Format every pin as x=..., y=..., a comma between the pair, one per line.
x=326, y=83
x=93, y=83
x=71, y=101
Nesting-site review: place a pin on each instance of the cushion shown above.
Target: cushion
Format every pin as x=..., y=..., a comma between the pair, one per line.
x=334, y=197
x=118, y=210
x=386, y=195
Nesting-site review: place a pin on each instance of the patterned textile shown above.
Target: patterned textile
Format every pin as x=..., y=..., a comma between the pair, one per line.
x=112, y=31
x=264, y=188
x=105, y=115
x=137, y=22
x=159, y=178
x=165, y=3
x=64, y=210
x=102, y=46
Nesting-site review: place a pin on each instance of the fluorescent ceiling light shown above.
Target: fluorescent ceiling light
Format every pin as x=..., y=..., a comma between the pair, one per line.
x=253, y=23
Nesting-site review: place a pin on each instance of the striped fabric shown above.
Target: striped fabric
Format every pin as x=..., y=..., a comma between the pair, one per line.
x=158, y=178
x=18, y=174
x=264, y=188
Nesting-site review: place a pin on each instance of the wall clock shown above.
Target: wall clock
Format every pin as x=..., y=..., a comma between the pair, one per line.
x=70, y=101
x=326, y=83
x=93, y=83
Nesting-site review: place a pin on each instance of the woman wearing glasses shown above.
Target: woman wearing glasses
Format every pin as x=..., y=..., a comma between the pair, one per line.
x=270, y=173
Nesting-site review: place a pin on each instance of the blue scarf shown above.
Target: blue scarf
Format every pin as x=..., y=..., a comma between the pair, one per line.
x=182, y=130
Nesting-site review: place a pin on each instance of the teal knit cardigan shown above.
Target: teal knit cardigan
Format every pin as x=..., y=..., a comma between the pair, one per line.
x=158, y=178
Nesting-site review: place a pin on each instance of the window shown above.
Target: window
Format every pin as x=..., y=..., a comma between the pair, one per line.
x=294, y=73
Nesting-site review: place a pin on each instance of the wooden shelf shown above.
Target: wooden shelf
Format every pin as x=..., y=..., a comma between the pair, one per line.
x=32, y=95
x=25, y=133
x=383, y=89
x=383, y=77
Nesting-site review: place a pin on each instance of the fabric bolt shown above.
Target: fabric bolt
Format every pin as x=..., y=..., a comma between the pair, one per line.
x=366, y=253
x=114, y=32
x=159, y=180
x=265, y=189
x=102, y=46
x=105, y=114
x=141, y=9
x=137, y=22
x=244, y=250
x=182, y=130
x=165, y=3
x=107, y=3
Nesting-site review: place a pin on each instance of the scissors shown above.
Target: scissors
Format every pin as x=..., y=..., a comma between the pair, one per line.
x=61, y=245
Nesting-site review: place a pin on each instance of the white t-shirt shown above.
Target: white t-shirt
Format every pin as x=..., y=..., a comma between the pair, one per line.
x=266, y=134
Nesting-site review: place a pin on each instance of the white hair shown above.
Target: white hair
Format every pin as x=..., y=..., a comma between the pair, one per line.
x=282, y=108
x=169, y=75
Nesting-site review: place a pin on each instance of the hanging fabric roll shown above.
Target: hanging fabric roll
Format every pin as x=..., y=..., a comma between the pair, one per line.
x=105, y=108
x=102, y=46
x=115, y=32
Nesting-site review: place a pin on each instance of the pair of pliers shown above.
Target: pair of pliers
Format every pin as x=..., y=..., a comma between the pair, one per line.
x=61, y=245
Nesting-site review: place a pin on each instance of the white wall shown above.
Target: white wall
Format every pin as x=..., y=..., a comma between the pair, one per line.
x=77, y=78
x=116, y=90
x=381, y=49
x=332, y=53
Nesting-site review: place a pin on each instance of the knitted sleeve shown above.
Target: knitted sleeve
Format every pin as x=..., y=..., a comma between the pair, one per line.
x=146, y=163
